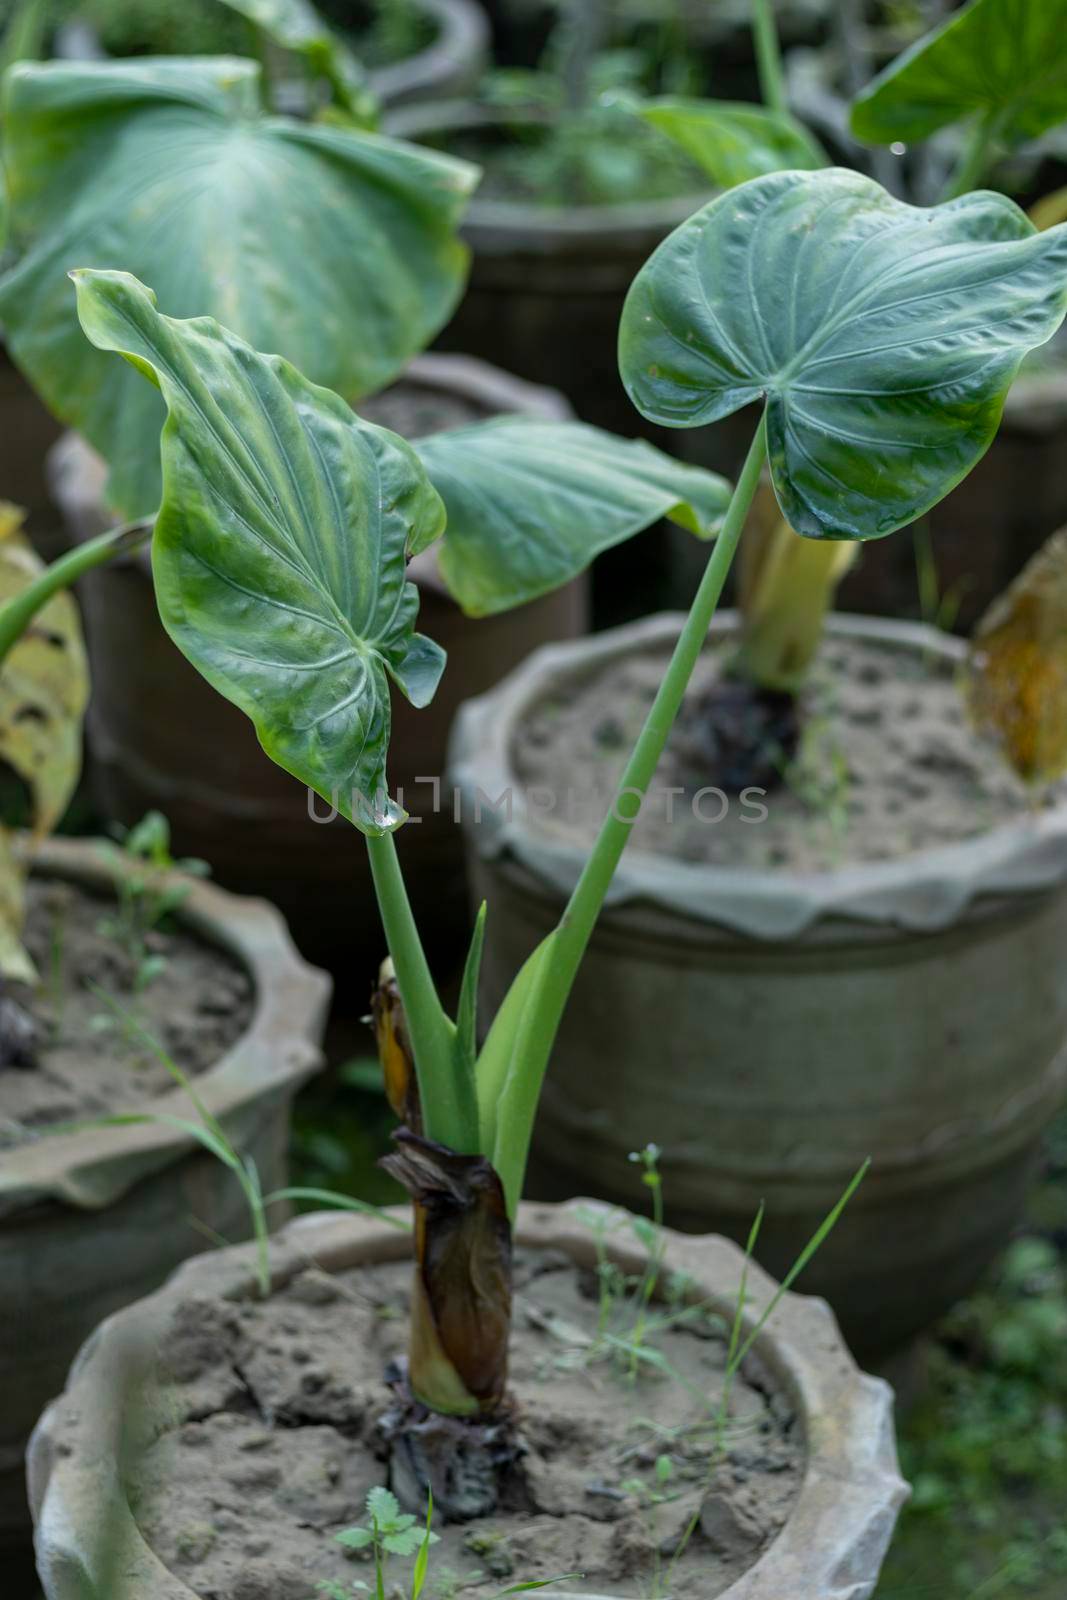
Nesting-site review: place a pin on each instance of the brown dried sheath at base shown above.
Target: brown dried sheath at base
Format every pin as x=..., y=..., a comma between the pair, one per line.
x=461, y=1307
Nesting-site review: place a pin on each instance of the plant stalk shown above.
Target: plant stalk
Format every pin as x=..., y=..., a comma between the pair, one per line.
x=769, y=57
x=975, y=158
x=20, y=610
x=565, y=949
x=446, y=1089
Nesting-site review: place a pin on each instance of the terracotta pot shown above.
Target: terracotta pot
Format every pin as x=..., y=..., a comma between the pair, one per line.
x=91, y=1220
x=913, y=1011
x=547, y=283
x=161, y=738
x=85, y=1448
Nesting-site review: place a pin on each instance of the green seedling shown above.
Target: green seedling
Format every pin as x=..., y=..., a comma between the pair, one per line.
x=391, y=1532
x=148, y=891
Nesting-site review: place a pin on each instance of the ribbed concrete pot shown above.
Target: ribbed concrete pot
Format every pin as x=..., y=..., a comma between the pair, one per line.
x=83, y=1457
x=91, y=1220
x=913, y=1011
x=449, y=64
x=162, y=738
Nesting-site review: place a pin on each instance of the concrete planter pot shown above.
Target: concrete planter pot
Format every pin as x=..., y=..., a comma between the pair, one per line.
x=547, y=283
x=162, y=738
x=914, y=1011
x=91, y=1220
x=27, y=433
x=450, y=64
x=84, y=1452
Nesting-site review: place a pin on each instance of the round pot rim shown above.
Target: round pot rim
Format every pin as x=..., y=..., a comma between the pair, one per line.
x=924, y=892
x=462, y=34
x=93, y=1167
x=833, y=1540
x=500, y=392
x=542, y=227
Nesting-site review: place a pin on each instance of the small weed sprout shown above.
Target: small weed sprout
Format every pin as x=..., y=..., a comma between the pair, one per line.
x=209, y=1133
x=395, y=1533
x=148, y=894
x=392, y=1532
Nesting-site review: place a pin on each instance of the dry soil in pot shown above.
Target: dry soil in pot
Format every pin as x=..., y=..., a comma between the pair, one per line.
x=275, y=1445
x=87, y=1062
x=888, y=765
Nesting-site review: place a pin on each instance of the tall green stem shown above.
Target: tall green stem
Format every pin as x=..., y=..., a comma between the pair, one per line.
x=20, y=610
x=769, y=57
x=565, y=948
x=975, y=158
x=446, y=1088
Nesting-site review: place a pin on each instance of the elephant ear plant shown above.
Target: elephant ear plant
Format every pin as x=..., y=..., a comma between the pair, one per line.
x=998, y=67
x=331, y=244
x=337, y=245
x=880, y=341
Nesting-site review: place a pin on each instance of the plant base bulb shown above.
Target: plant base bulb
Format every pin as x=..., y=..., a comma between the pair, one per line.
x=461, y=1299
x=738, y=735
x=463, y=1462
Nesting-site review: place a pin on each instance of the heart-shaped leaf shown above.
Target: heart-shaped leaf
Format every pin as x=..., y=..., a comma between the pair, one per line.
x=337, y=248
x=531, y=503
x=295, y=25
x=734, y=141
x=1004, y=58
x=280, y=548
x=883, y=337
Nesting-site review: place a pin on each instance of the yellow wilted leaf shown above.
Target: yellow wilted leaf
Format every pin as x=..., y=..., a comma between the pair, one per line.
x=14, y=960
x=1049, y=210
x=44, y=687
x=394, y=1048
x=1015, y=678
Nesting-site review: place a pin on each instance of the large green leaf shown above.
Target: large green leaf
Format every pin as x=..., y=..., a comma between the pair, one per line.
x=1005, y=58
x=335, y=247
x=280, y=547
x=734, y=141
x=297, y=26
x=883, y=337
x=531, y=503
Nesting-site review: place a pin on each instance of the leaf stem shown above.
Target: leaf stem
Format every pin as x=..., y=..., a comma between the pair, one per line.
x=769, y=57
x=446, y=1085
x=20, y=610
x=975, y=158
x=564, y=950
